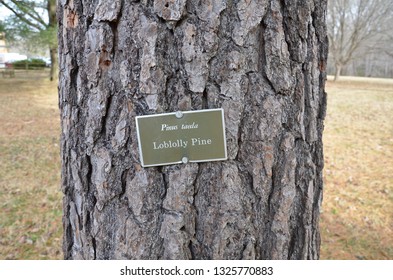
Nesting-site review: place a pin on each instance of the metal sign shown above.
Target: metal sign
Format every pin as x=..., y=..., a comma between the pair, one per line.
x=181, y=137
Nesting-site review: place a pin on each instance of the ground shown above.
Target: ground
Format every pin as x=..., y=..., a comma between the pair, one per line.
x=30, y=199
x=357, y=210
x=357, y=217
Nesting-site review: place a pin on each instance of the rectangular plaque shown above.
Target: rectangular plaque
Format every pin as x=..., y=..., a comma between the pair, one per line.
x=181, y=137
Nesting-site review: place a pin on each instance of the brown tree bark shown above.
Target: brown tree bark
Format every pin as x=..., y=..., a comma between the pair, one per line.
x=263, y=62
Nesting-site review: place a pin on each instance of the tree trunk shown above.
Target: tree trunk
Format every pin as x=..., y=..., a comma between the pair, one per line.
x=51, y=8
x=337, y=72
x=263, y=62
x=53, y=64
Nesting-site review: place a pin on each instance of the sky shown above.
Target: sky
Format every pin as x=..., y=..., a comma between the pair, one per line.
x=4, y=12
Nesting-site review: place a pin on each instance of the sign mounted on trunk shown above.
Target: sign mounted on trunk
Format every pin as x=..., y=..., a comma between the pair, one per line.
x=181, y=137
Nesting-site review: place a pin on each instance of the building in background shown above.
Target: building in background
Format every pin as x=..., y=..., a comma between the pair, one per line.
x=5, y=56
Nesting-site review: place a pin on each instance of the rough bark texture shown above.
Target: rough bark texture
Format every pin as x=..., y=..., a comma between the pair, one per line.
x=262, y=61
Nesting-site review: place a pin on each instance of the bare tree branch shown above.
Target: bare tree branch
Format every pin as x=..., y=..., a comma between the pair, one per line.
x=353, y=24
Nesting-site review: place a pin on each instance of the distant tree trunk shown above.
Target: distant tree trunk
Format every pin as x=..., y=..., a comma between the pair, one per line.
x=51, y=8
x=263, y=62
x=54, y=64
x=337, y=72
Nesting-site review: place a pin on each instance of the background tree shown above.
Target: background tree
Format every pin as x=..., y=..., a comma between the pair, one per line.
x=2, y=26
x=389, y=51
x=263, y=62
x=34, y=24
x=357, y=27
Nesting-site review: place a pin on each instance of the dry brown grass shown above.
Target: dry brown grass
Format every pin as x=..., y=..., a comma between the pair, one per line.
x=30, y=198
x=357, y=218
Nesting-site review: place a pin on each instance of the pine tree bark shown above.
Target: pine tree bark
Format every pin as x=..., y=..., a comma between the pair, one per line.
x=263, y=62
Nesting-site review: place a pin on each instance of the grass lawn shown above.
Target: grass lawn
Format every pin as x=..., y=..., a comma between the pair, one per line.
x=30, y=197
x=357, y=216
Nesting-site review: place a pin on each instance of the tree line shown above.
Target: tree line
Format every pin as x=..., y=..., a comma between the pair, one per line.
x=32, y=26
x=360, y=33
x=360, y=36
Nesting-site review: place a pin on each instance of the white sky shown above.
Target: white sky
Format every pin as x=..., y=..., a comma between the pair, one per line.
x=4, y=12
